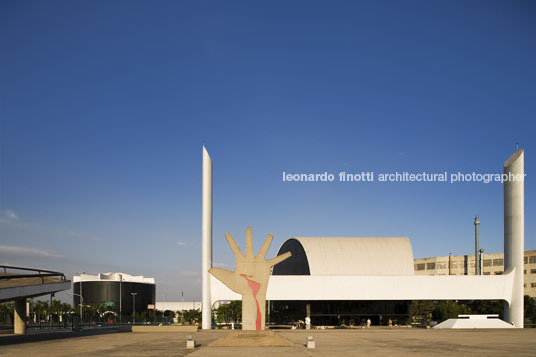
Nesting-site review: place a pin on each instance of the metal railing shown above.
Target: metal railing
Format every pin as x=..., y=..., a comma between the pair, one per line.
x=41, y=273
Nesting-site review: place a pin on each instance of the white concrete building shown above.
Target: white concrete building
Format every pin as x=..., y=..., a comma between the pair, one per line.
x=178, y=305
x=356, y=269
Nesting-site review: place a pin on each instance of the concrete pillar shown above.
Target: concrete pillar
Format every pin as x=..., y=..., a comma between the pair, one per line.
x=206, y=241
x=19, y=323
x=514, y=233
x=308, y=316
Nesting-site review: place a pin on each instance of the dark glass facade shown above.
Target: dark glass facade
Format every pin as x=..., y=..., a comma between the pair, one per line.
x=110, y=292
x=337, y=313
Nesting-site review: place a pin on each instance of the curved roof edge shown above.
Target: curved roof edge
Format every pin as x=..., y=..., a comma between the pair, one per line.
x=381, y=256
x=114, y=277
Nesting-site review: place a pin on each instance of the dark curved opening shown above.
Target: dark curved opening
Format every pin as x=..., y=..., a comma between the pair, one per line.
x=297, y=264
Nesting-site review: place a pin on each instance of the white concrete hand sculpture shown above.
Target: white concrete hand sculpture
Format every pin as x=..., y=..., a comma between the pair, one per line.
x=250, y=279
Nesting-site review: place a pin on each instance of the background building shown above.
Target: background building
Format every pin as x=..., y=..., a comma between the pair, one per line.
x=492, y=264
x=115, y=290
x=177, y=306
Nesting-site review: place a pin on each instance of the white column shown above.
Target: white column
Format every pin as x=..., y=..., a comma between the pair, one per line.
x=206, y=244
x=514, y=234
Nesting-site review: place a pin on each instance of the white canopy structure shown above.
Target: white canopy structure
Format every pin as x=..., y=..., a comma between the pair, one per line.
x=474, y=321
x=364, y=268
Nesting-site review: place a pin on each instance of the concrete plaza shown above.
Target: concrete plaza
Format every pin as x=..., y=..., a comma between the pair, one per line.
x=374, y=341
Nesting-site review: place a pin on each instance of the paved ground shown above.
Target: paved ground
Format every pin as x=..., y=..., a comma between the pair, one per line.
x=375, y=342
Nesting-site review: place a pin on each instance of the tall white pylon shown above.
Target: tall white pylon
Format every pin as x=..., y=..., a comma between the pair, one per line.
x=206, y=241
x=514, y=233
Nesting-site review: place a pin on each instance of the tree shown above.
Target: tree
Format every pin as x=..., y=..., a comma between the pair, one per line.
x=42, y=309
x=157, y=315
x=6, y=312
x=65, y=309
x=168, y=316
x=223, y=314
x=486, y=307
x=55, y=309
x=220, y=314
x=421, y=311
x=231, y=312
x=448, y=309
x=143, y=316
x=192, y=316
x=235, y=311
x=90, y=312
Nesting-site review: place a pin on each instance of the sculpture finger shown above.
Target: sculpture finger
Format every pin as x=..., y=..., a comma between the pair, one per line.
x=265, y=246
x=225, y=276
x=279, y=258
x=249, y=242
x=236, y=250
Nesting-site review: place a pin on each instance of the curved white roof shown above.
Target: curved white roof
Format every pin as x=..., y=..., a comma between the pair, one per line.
x=113, y=277
x=358, y=255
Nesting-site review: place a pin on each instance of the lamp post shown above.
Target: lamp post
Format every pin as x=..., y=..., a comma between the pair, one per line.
x=81, y=299
x=50, y=312
x=477, y=263
x=120, y=302
x=481, y=251
x=133, y=307
x=81, y=303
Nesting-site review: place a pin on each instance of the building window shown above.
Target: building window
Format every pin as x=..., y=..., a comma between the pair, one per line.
x=486, y=273
x=524, y=271
x=533, y=271
x=419, y=266
x=526, y=260
x=441, y=265
x=532, y=259
x=498, y=273
x=430, y=266
x=487, y=262
x=497, y=262
x=533, y=285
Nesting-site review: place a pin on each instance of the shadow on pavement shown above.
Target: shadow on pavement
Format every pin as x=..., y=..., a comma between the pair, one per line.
x=56, y=335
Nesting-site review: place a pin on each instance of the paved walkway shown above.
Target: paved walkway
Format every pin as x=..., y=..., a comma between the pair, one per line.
x=373, y=342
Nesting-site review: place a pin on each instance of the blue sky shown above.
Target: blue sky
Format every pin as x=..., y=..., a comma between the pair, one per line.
x=105, y=106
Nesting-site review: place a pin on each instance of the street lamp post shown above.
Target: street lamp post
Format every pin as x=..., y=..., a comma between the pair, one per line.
x=120, y=298
x=481, y=251
x=477, y=263
x=81, y=299
x=81, y=302
x=133, y=307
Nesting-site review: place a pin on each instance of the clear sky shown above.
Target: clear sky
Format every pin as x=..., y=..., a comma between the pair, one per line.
x=105, y=105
